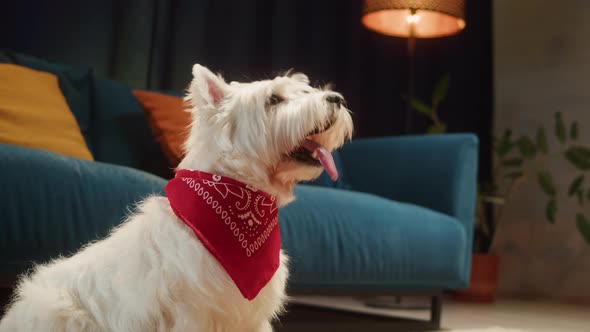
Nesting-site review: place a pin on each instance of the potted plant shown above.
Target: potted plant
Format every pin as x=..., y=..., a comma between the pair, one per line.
x=484, y=265
x=517, y=160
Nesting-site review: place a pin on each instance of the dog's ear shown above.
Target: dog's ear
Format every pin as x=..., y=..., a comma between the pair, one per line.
x=300, y=77
x=207, y=90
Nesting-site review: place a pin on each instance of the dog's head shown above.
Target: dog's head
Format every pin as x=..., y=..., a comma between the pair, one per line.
x=270, y=134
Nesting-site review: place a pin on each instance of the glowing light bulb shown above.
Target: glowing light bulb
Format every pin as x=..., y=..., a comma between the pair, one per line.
x=413, y=19
x=461, y=24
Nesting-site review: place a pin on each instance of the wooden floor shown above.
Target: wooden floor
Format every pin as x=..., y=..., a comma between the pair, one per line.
x=530, y=316
x=533, y=316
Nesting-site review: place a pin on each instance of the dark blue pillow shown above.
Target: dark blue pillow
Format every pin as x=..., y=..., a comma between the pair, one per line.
x=121, y=132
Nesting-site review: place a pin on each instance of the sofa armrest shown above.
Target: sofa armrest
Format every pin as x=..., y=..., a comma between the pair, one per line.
x=434, y=171
x=52, y=204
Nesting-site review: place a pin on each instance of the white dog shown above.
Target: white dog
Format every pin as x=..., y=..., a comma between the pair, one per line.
x=251, y=142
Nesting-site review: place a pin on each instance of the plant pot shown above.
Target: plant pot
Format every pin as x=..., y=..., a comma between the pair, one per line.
x=483, y=282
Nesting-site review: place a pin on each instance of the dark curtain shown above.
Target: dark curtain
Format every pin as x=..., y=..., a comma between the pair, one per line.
x=113, y=37
x=154, y=43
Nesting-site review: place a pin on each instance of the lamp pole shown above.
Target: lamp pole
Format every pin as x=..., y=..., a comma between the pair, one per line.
x=412, y=20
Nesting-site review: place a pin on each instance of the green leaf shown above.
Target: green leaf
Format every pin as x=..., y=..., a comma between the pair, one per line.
x=514, y=162
x=559, y=128
x=579, y=156
x=504, y=147
x=514, y=175
x=574, y=130
x=580, y=194
x=527, y=147
x=583, y=227
x=546, y=182
x=551, y=210
x=575, y=186
x=440, y=91
x=420, y=107
x=437, y=128
x=542, y=140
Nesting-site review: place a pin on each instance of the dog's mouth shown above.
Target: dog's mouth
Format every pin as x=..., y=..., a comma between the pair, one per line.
x=313, y=153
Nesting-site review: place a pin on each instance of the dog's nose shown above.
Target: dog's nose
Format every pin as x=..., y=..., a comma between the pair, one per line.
x=335, y=99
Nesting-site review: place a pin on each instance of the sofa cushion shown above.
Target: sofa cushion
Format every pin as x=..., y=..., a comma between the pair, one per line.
x=53, y=204
x=346, y=240
x=75, y=84
x=34, y=113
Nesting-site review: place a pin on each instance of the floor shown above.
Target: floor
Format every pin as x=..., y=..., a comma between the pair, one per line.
x=537, y=316
x=531, y=316
x=512, y=315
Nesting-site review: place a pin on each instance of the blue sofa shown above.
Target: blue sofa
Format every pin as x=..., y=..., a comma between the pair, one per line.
x=400, y=219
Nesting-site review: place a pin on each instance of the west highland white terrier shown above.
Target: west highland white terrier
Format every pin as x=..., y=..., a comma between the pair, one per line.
x=207, y=256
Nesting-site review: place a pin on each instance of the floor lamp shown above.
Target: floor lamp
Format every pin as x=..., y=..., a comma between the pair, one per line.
x=414, y=19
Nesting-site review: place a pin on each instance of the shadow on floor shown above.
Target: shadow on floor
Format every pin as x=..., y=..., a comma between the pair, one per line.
x=301, y=318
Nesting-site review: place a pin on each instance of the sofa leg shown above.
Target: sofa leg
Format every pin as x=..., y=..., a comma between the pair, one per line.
x=436, y=310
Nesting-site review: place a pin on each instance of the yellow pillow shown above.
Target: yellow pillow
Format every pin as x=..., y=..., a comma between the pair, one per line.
x=34, y=113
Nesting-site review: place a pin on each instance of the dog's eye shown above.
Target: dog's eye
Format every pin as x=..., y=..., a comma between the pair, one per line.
x=274, y=99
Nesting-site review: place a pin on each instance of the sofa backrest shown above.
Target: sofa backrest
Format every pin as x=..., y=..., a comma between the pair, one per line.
x=112, y=121
x=110, y=118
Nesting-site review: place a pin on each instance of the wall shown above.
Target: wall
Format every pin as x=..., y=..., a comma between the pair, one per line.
x=542, y=65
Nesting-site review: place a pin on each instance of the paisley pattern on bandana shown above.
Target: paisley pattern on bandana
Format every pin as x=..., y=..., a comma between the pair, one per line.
x=237, y=223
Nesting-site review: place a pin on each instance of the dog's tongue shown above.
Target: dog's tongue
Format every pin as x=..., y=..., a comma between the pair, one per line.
x=324, y=156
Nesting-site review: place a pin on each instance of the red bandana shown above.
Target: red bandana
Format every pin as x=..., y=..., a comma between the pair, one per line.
x=237, y=224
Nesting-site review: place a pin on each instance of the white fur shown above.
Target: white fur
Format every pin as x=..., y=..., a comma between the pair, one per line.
x=151, y=273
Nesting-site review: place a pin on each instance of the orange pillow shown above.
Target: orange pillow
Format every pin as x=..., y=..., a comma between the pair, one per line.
x=169, y=122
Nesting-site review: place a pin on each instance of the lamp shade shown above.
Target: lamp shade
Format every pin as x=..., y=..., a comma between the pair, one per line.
x=421, y=18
